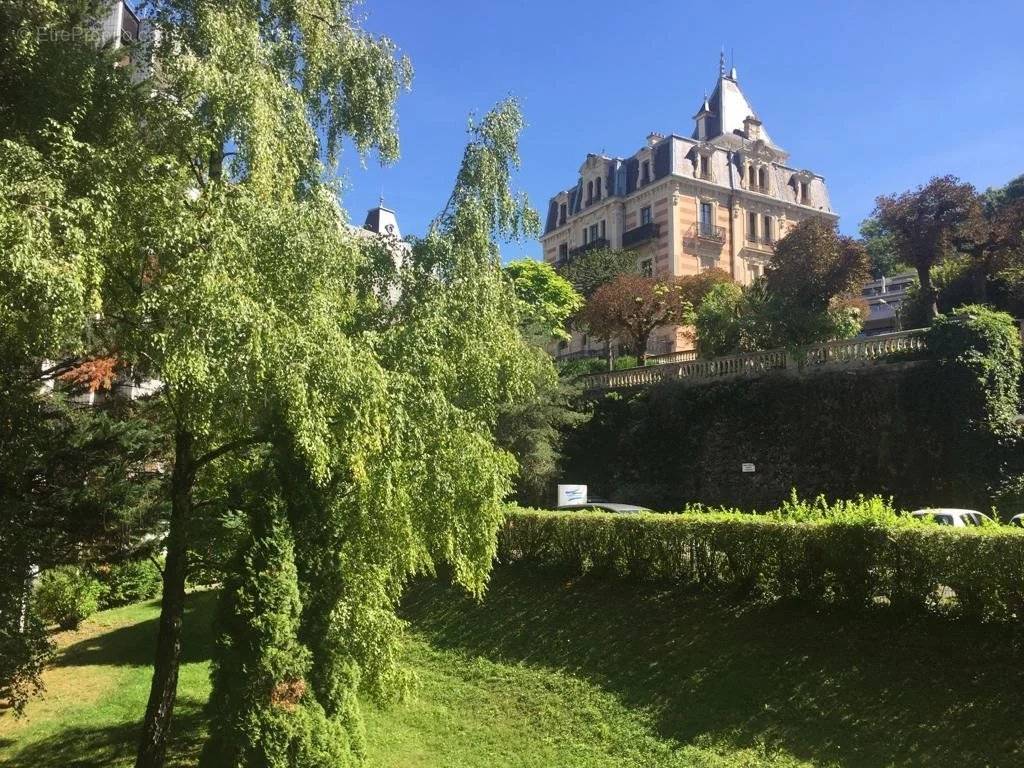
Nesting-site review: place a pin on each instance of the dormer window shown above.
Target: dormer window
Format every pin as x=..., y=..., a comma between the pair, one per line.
x=590, y=192
x=704, y=166
x=645, y=172
x=597, y=188
x=802, y=187
x=561, y=214
x=762, y=179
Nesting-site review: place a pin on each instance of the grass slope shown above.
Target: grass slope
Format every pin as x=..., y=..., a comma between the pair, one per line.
x=547, y=672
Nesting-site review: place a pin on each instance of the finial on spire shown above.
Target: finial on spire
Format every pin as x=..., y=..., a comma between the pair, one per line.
x=721, y=62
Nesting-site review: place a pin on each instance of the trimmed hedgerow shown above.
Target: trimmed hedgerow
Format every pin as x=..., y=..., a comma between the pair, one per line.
x=855, y=554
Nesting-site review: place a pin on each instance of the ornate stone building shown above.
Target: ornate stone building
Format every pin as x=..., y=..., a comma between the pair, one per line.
x=719, y=198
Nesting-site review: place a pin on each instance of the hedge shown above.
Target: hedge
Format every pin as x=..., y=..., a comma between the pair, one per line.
x=855, y=560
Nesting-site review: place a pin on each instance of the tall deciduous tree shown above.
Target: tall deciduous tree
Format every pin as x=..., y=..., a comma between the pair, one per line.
x=881, y=248
x=925, y=224
x=814, y=282
x=591, y=269
x=631, y=307
x=546, y=299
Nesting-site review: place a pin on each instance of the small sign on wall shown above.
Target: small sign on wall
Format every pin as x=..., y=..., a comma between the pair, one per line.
x=747, y=467
x=572, y=494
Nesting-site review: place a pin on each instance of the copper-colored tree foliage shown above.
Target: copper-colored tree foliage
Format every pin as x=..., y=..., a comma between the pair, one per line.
x=928, y=222
x=92, y=374
x=631, y=307
x=693, y=288
x=813, y=265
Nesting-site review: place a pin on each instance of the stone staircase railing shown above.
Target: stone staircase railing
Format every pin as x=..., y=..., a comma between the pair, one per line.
x=834, y=354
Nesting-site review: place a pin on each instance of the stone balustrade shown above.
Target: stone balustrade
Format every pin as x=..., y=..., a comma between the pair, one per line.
x=834, y=354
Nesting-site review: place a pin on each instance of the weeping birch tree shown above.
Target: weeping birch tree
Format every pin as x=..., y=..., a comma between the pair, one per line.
x=209, y=252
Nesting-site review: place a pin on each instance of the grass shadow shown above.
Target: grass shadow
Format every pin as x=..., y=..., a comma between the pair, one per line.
x=825, y=686
x=134, y=645
x=114, y=746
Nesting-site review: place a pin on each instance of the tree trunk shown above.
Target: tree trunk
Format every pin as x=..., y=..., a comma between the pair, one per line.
x=641, y=349
x=924, y=276
x=164, y=688
x=979, y=279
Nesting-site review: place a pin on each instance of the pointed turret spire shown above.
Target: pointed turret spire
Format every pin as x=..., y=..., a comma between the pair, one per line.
x=724, y=111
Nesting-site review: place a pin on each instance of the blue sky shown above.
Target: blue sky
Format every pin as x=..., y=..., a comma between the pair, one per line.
x=877, y=97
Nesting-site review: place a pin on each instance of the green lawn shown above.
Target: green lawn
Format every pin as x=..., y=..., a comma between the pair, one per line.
x=552, y=673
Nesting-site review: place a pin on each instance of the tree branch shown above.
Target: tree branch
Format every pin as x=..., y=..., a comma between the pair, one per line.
x=228, y=447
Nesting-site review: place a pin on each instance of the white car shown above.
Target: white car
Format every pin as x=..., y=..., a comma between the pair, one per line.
x=958, y=518
x=603, y=506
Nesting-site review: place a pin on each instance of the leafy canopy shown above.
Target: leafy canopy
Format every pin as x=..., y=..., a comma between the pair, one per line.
x=546, y=299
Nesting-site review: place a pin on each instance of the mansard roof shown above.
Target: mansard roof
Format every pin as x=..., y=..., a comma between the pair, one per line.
x=726, y=109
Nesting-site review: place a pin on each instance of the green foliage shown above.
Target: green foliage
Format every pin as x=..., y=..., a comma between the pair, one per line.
x=719, y=321
x=855, y=553
x=67, y=595
x=533, y=430
x=582, y=366
x=190, y=225
x=131, y=581
x=263, y=712
x=625, y=361
x=25, y=648
x=926, y=223
x=981, y=348
x=807, y=296
x=73, y=485
x=880, y=246
x=546, y=299
x=591, y=269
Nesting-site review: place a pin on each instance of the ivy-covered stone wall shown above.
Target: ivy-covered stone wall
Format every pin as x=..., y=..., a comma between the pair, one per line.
x=939, y=431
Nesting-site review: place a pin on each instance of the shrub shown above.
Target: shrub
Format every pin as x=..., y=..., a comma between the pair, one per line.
x=980, y=350
x=855, y=553
x=582, y=367
x=67, y=595
x=129, y=582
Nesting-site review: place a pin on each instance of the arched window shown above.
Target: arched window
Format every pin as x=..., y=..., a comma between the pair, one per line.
x=597, y=189
x=762, y=179
x=590, y=192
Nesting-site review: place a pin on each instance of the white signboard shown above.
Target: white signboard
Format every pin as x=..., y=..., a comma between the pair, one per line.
x=747, y=467
x=571, y=494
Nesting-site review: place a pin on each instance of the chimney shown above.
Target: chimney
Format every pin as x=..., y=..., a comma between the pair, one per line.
x=752, y=128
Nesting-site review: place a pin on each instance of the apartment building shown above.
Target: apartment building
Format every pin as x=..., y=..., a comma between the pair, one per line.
x=720, y=197
x=885, y=298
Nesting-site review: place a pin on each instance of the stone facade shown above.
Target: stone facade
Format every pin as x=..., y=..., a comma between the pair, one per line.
x=720, y=197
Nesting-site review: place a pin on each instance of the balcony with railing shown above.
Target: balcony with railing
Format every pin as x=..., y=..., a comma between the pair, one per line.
x=593, y=245
x=708, y=232
x=849, y=353
x=638, y=235
x=760, y=241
